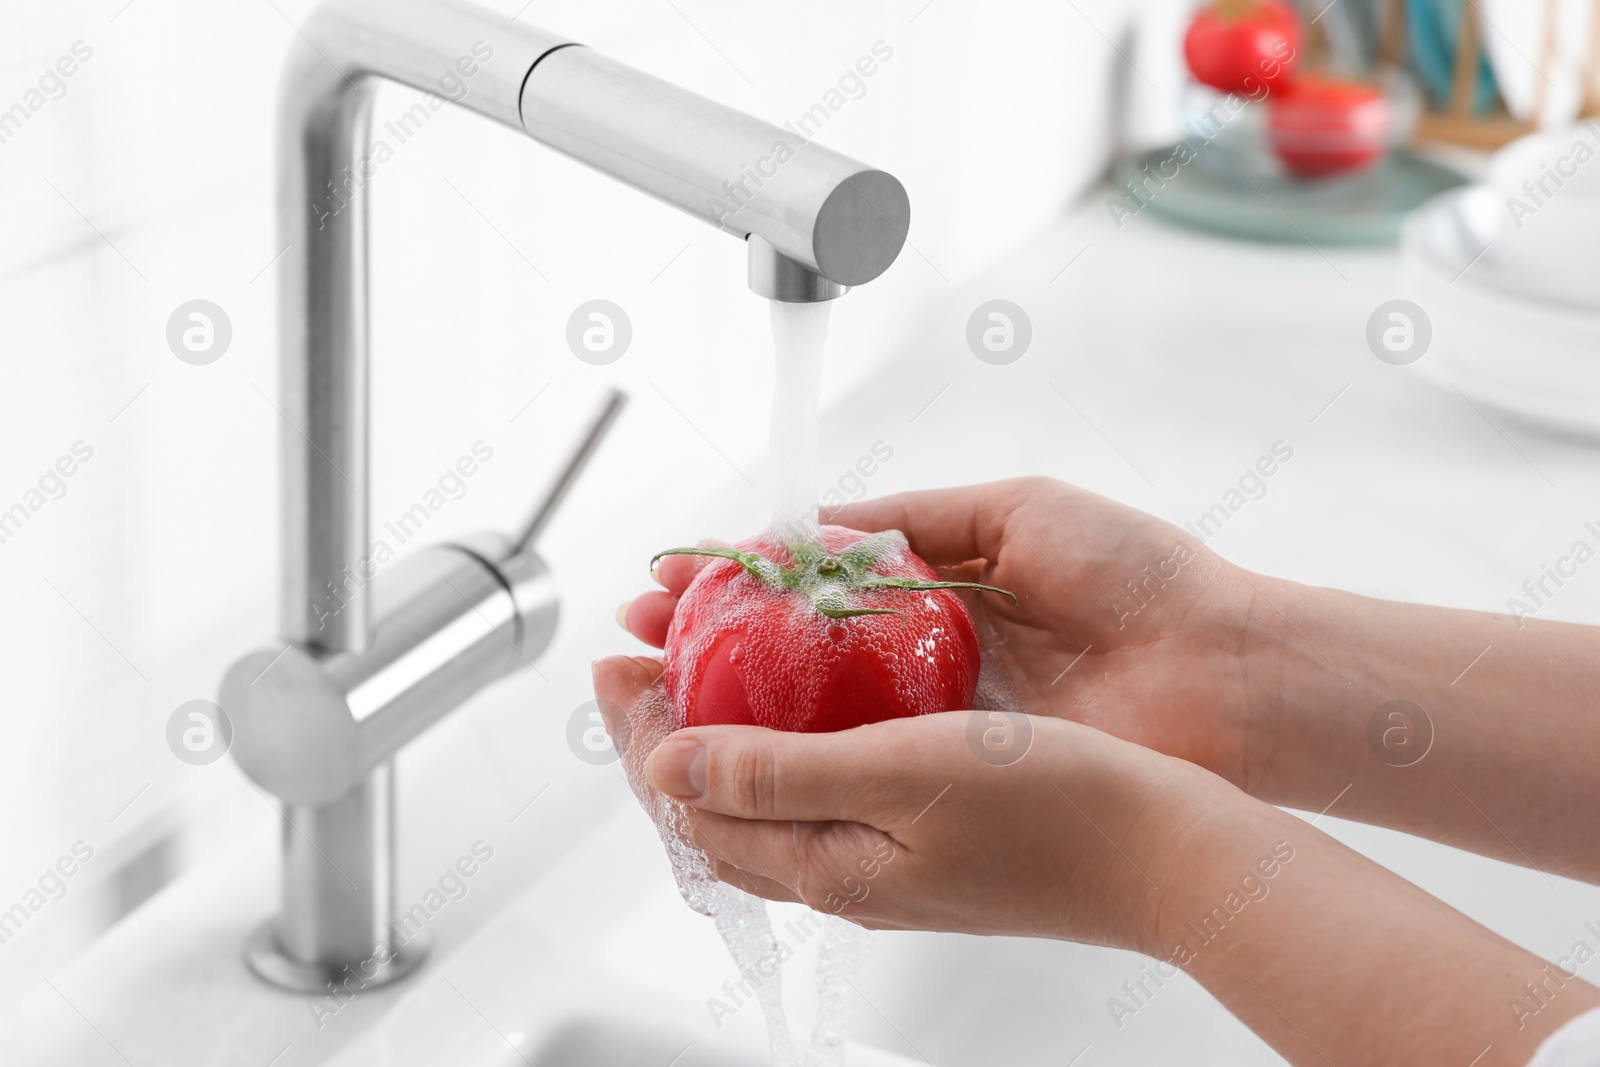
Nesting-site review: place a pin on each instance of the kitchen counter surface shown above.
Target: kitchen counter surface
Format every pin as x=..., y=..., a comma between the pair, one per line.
x=1162, y=365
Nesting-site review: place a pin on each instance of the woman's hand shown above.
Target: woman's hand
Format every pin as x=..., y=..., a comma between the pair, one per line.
x=1296, y=694
x=1124, y=622
x=1311, y=698
x=905, y=825
x=913, y=824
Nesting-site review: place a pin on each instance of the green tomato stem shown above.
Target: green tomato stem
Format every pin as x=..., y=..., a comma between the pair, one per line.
x=813, y=567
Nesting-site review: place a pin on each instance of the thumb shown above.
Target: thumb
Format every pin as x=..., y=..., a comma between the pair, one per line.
x=749, y=772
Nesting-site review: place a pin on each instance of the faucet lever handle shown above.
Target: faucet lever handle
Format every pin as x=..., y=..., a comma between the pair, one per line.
x=594, y=433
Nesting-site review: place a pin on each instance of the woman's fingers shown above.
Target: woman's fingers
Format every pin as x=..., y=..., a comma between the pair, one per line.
x=824, y=865
x=769, y=859
x=676, y=572
x=775, y=860
x=944, y=526
x=621, y=680
x=649, y=615
x=627, y=689
x=752, y=883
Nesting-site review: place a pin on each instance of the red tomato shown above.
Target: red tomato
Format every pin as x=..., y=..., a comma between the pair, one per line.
x=1244, y=46
x=844, y=630
x=1325, y=126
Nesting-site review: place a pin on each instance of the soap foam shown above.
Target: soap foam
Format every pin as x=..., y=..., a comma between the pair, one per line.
x=784, y=660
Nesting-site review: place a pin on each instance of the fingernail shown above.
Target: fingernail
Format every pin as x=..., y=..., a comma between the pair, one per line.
x=655, y=572
x=622, y=614
x=678, y=768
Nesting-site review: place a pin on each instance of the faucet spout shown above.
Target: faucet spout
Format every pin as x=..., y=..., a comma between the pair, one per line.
x=777, y=277
x=832, y=215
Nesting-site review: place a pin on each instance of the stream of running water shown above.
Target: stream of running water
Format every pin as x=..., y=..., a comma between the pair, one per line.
x=799, y=333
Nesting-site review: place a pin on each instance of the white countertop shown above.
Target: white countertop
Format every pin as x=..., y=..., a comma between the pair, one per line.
x=1163, y=364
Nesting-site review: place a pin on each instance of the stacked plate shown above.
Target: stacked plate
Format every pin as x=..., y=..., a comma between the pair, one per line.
x=1509, y=274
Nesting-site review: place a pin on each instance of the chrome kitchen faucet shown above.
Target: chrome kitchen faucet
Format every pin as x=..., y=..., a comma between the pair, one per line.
x=363, y=667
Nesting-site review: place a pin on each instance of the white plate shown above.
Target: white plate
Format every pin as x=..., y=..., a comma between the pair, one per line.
x=1498, y=335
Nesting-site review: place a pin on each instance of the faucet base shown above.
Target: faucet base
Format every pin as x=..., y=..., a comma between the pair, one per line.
x=269, y=962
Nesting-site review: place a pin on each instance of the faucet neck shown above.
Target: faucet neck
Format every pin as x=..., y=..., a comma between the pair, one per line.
x=459, y=54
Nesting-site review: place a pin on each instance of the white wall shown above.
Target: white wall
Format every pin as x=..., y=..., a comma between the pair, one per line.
x=147, y=184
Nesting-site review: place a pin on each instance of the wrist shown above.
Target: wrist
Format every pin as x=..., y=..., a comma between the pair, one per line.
x=1252, y=639
x=1223, y=861
x=1295, y=677
x=1130, y=824
x=1191, y=835
x=1265, y=895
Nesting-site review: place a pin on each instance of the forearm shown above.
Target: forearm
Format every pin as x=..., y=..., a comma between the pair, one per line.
x=1333, y=959
x=1494, y=748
